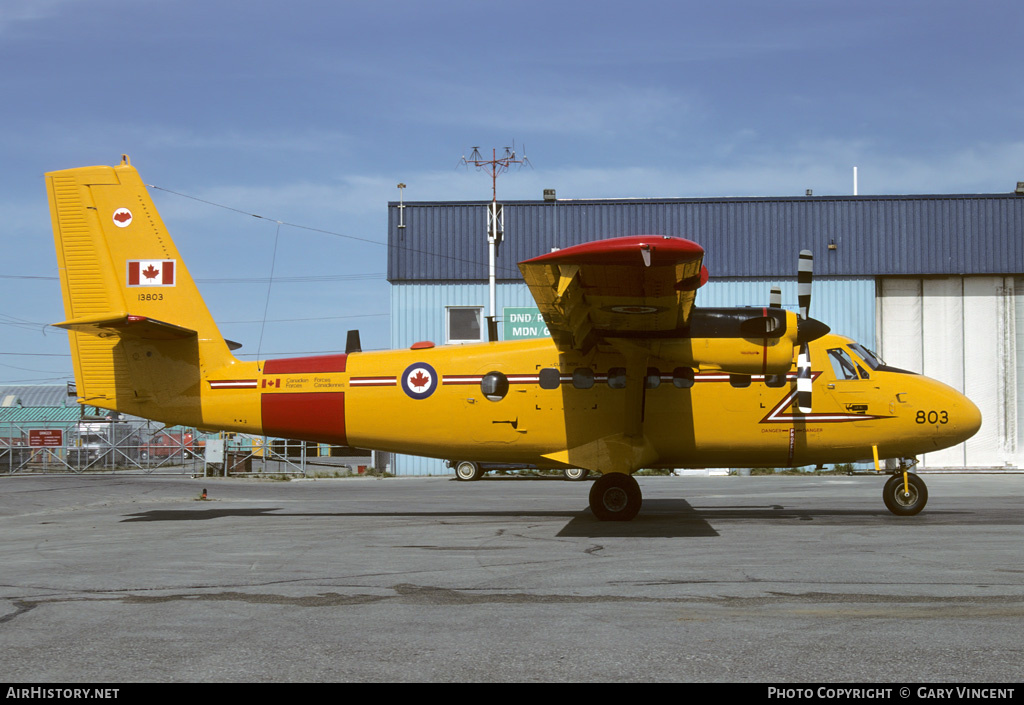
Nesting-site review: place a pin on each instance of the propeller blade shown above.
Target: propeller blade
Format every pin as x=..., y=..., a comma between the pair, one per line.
x=803, y=380
x=804, y=275
x=775, y=297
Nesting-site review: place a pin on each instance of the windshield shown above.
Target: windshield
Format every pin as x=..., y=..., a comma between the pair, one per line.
x=870, y=359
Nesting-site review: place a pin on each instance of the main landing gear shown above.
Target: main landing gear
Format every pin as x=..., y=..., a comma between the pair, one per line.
x=615, y=497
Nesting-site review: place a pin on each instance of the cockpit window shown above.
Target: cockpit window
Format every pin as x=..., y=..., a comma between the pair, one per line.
x=842, y=365
x=870, y=358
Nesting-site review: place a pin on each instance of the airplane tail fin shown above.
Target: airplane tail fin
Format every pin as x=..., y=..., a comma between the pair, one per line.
x=141, y=336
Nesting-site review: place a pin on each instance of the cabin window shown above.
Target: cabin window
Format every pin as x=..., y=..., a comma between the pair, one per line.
x=494, y=386
x=550, y=378
x=617, y=378
x=583, y=378
x=653, y=378
x=682, y=377
x=775, y=380
x=739, y=381
x=464, y=324
x=842, y=365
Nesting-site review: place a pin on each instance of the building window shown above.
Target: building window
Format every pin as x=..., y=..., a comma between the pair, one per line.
x=464, y=324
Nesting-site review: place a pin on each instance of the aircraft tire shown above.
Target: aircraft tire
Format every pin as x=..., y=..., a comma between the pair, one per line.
x=576, y=474
x=900, y=504
x=615, y=497
x=467, y=471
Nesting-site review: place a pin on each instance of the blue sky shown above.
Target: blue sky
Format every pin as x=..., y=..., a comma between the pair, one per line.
x=310, y=112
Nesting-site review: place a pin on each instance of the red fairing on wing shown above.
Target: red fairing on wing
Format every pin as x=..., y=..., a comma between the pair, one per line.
x=626, y=250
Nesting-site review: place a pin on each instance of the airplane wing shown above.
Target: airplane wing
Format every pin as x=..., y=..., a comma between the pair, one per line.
x=623, y=287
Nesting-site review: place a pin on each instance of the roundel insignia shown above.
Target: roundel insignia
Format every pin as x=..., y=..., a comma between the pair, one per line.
x=122, y=217
x=419, y=380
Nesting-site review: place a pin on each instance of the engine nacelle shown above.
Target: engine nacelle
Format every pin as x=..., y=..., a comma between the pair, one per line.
x=739, y=340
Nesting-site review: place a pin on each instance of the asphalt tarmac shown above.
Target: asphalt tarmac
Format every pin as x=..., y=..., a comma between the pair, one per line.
x=732, y=579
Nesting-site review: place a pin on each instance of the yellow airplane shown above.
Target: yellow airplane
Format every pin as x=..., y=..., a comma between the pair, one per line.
x=634, y=374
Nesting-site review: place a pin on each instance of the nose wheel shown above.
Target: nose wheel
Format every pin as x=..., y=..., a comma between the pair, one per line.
x=615, y=497
x=905, y=499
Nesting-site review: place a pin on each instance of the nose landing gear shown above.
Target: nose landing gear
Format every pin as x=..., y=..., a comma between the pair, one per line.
x=907, y=497
x=904, y=494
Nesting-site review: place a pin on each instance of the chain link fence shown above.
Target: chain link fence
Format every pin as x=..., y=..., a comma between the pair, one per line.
x=140, y=446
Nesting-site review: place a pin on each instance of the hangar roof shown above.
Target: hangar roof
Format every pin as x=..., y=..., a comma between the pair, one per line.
x=36, y=395
x=742, y=237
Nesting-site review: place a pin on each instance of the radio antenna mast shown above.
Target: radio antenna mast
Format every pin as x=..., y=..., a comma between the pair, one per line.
x=495, y=218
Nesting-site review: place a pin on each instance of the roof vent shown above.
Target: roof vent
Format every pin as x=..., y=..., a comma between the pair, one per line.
x=1020, y=188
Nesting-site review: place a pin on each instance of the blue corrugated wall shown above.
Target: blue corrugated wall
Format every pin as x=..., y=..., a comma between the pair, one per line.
x=873, y=235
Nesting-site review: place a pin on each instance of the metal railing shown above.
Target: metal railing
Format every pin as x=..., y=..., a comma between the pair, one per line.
x=149, y=448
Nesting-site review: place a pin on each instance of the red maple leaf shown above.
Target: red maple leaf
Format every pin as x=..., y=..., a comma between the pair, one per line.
x=122, y=216
x=420, y=380
x=151, y=272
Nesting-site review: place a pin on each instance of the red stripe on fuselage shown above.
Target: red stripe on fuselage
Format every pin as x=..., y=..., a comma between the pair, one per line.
x=296, y=365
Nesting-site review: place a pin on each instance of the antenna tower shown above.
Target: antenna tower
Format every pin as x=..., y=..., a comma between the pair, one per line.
x=495, y=218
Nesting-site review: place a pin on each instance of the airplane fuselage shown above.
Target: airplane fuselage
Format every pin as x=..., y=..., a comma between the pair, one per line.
x=564, y=409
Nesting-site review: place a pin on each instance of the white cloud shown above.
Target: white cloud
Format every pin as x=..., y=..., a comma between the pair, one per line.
x=13, y=11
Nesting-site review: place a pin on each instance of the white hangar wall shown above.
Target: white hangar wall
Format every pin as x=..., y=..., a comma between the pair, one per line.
x=418, y=312
x=966, y=331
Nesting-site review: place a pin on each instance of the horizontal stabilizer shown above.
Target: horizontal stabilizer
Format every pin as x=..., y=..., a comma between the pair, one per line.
x=139, y=327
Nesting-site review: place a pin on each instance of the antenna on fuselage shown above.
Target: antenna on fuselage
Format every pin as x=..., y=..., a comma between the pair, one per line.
x=352, y=344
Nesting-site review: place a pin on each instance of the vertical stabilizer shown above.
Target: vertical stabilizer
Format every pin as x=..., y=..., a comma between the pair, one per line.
x=141, y=337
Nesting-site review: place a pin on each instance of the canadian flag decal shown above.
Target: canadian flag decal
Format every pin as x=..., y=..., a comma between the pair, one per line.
x=146, y=272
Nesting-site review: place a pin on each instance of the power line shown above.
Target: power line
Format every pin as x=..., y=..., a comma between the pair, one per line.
x=323, y=231
x=37, y=354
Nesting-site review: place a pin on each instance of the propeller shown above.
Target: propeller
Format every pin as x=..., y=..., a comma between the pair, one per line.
x=804, y=276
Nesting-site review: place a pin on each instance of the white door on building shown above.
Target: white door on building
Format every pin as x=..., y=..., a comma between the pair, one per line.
x=961, y=330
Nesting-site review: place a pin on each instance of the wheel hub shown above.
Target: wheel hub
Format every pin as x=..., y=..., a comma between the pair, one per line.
x=615, y=499
x=903, y=498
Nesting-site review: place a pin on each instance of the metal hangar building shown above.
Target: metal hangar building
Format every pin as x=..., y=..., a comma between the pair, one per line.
x=933, y=283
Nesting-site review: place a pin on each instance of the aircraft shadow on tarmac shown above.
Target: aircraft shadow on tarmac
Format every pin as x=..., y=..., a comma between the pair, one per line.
x=659, y=518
